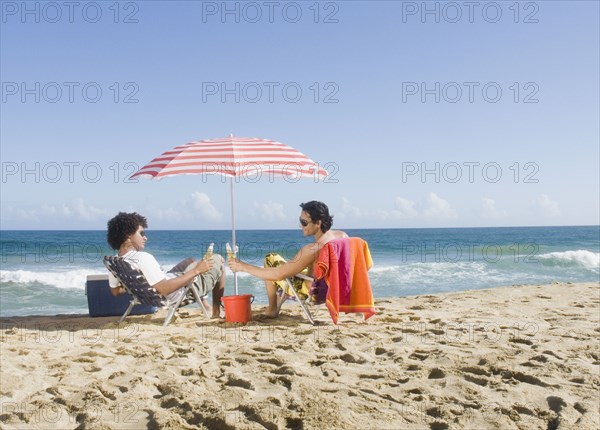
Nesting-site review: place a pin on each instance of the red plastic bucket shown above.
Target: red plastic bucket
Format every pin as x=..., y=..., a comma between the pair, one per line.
x=238, y=308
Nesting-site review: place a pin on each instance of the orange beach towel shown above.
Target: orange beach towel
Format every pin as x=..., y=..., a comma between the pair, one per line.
x=344, y=263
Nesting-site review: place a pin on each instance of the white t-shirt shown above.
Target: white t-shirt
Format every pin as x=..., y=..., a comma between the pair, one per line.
x=148, y=265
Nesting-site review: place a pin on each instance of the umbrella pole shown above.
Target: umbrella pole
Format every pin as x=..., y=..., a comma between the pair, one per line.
x=235, y=284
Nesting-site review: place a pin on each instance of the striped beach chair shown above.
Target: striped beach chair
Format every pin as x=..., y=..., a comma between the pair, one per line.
x=134, y=281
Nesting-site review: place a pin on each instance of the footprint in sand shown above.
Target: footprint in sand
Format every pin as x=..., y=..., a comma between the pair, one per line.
x=116, y=375
x=294, y=423
x=556, y=403
x=192, y=372
x=370, y=376
x=274, y=361
x=521, y=341
x=182, y=351
x=281, y=380
x=340, y=347
x=580, y=408
x=475, y=375
x=523, y=377
x=224, y=362
x=253, y=414
x=232, y=381
x=349, y=358
x=381, y=351
x=84, y=360
x=436, y=374
x=482, y=382
x=284, y=370
x=419, y=355
x=390, y=319
x=552, y=354
x=287, y=347
x=476, y=371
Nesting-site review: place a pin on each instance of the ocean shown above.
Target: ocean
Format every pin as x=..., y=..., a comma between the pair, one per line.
x=44, y=272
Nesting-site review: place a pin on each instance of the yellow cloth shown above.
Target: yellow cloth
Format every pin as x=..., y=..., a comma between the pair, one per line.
x=301, y=286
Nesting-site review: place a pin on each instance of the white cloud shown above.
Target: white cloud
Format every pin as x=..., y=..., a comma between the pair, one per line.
x=438, y=208
x=489, y=209
x=78, y=210
x=349, y=210
x=546, y=206
x=270, y=211
x=201, y=202
x=25, y=214
x=170, y=214
x=406, y=208
x=85, y=212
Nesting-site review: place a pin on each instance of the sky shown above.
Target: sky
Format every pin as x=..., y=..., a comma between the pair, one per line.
x=426, y=114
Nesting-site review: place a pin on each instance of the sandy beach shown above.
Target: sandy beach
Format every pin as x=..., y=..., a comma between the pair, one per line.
x=520, y=357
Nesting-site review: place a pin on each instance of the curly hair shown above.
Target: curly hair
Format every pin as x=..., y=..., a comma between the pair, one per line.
x=318, y=211
x=122, y=226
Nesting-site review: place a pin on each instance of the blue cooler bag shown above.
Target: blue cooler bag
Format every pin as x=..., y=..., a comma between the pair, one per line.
x=101, y=303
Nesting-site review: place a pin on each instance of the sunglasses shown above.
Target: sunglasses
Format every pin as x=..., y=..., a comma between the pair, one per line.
x=143, y=233
x=303, y=222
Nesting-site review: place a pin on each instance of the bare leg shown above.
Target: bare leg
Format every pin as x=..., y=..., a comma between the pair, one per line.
x=217, y=293
x=272, y=295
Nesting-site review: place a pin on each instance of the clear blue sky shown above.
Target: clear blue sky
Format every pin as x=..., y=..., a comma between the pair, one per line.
x=447, y=115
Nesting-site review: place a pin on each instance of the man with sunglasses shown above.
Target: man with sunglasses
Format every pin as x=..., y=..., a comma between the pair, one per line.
x=314, y=221
x=127, y=235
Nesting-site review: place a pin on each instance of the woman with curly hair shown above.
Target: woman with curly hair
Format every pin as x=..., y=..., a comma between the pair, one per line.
x=126, y=235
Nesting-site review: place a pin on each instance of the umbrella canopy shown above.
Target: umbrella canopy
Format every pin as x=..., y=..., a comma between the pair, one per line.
x=234, y=157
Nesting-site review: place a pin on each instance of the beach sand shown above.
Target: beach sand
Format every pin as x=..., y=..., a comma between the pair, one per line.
x=520, y=357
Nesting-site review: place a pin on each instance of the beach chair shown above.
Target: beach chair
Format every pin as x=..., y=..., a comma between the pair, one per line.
x=283, y=296
x=340, y=281
x=142, y=292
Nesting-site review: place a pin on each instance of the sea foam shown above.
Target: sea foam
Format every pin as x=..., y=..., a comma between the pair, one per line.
x=67, y=279
x=580, y=258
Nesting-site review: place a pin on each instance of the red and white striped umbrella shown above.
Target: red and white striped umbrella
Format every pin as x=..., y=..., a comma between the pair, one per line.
x=234, y=157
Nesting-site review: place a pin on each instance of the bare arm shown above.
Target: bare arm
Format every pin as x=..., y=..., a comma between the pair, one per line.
x=167, y=286
x=301, y=261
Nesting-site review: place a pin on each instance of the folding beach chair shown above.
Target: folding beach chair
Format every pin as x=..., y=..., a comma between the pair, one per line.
x=142, y=292
x=283, y=296
x=341, y=280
